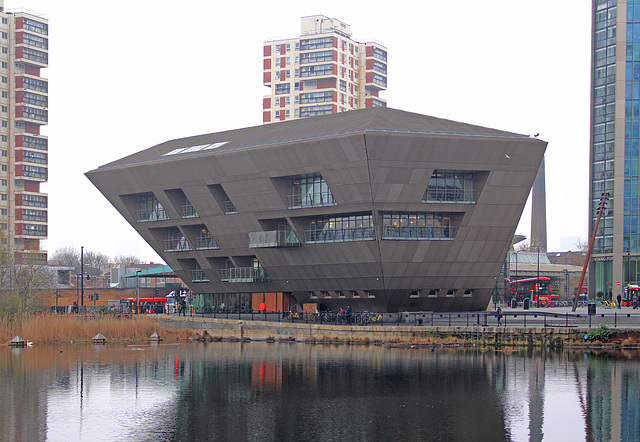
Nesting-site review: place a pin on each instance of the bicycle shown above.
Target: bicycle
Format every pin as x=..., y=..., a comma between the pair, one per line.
x=609, y=304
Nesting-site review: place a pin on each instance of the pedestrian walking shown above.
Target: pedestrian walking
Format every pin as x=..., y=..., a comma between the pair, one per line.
x=499, y=316
x=619, y=300
x=634, y=301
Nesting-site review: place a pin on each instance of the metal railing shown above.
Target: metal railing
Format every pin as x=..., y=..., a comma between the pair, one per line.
x=244, y=274
x=418, y=232
x=339, y=235
x=199, y=276
x=188, y=211
x=273, y=238
x=176, y=245
x=448, y=196
x=206, y=243
x=516, y=319
x=229, y=208
x=297, y=201
x=156, y=214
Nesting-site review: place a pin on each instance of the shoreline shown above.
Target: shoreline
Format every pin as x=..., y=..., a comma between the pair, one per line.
x=55, y=329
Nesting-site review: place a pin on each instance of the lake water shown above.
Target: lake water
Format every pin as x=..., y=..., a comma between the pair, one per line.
x=275, y=391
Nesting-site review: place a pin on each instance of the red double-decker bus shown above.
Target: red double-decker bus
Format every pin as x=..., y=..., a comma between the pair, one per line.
x=627, y=296
x=536, y=289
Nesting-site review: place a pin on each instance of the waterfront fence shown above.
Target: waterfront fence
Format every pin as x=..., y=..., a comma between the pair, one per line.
x=614, y=319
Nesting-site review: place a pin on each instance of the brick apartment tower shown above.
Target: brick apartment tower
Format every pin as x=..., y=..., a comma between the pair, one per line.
x=323, y=71
x=23, y=150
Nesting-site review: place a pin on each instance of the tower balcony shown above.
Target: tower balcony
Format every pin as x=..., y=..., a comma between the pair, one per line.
x=32, y=83
x=31, y=56
x=32, y=115
x=31, y=200
x=376, y=80
x=31, y=173
x=32, y=141
x=30, y=230
x=26, y=157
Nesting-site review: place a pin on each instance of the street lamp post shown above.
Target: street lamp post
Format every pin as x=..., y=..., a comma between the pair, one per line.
x=137, y=291
x=81, y=276
x=538, y=283
x=628, y=269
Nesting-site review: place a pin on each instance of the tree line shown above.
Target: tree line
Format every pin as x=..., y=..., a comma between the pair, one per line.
x=96, y=264
x=25, y=283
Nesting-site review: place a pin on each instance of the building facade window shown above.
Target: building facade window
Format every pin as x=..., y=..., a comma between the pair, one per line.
x=316, y=71
x=316, y=43
x=316, y=57
x=446, y=186
x=310, y=191
x=340, y=228
x=420, y=225
x=316, y=97
x=312, y=111
x=150, y=209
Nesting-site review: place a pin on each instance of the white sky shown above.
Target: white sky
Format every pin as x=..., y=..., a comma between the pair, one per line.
x=126, y=75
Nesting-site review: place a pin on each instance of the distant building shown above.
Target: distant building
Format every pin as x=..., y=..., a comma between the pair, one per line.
x=159, y=277
x=24, y=45
x=379, y=209
x=567, y=258
x=614, y=140
x=539, y=211
x=565, y=276
x=322, y=71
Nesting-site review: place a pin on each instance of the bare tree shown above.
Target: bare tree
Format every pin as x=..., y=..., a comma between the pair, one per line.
x=126, y=260
x=5, y=258
x=66, y=256
x=96, y=266
x=582, y=245
x=30, y=282
x=23, y=284
x=522, y=247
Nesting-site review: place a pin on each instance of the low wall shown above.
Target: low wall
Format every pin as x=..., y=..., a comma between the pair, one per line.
x=300, y=332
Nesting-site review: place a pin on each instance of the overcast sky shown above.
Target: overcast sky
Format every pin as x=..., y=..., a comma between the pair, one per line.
x=127, y=75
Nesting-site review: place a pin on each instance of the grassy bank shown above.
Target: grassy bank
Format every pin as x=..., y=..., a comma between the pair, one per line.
x=47, y=328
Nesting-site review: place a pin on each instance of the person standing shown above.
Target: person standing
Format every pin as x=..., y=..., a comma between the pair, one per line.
x=619, y=300
x=348, y=314
x=499, y=316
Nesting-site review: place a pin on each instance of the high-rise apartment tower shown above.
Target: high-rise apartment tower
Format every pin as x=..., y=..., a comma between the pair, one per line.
x=24, y=46
x=323, y=71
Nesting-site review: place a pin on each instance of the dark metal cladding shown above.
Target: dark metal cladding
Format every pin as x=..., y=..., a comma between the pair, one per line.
x=380, y=209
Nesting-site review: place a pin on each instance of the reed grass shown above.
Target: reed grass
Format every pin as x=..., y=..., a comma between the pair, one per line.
x=48, y=328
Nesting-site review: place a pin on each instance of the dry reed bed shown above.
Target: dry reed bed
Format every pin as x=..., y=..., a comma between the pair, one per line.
x=67, y=328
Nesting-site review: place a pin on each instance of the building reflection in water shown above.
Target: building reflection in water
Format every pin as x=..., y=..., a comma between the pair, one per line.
x=296, y=391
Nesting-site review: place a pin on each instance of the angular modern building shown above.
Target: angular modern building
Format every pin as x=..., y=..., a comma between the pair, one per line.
x=322, y=71
x=24, y=44
x=380, y=209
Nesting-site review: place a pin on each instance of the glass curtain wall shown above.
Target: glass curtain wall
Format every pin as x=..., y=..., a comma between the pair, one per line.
x=603, y=143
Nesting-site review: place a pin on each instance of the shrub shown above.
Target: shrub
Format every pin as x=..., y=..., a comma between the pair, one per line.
x=601, y=333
